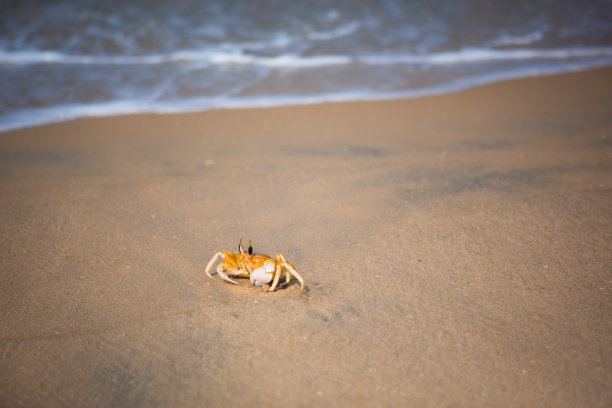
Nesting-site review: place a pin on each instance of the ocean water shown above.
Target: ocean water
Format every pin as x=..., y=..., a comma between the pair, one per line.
x=66, y=59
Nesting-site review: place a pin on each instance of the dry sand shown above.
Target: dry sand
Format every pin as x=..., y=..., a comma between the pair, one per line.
x=456, y=251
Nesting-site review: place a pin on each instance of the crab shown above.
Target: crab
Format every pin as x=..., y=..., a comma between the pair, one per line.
x=259, y=268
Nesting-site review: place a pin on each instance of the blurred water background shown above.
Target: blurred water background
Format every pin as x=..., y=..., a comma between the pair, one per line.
x=66, y=59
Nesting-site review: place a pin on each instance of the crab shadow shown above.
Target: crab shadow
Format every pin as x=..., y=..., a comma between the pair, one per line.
x=245, y=284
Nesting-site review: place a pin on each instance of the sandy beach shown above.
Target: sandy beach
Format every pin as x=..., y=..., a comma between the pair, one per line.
x=456, y=251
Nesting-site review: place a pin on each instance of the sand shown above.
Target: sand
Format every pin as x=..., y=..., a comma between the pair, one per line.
x=456, y=251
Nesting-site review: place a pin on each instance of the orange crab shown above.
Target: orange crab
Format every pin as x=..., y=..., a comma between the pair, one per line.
x=259, y=268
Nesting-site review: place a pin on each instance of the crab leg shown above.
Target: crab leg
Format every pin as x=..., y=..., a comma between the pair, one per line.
x=281, y=263
x=223, y=275
x=292, y=271
x=211, y=263
x=287, y=279
x=278, y=271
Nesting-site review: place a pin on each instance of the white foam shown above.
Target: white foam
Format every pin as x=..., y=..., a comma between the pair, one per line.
x=338, y=32
x=475, y=55
x=512, y=40
x=186, y=56
x=54, y=57
x=229, y=57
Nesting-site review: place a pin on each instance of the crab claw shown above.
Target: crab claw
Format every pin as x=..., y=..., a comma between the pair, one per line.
x=263, y=274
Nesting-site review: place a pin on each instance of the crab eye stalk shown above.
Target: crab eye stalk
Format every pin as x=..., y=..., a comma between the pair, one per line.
x=240, y=249
x=250, y=248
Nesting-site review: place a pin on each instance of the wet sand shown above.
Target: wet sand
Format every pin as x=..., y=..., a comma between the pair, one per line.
x=456, y=251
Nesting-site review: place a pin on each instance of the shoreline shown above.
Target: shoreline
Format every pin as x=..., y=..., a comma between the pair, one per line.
x=67, y=113
x=455, y=250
